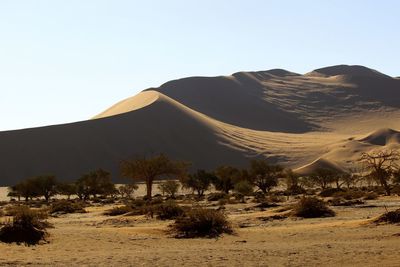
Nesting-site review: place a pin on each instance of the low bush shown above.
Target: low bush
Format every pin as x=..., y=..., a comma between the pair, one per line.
x=392, y=217
x=156, y=200
x=329, y=192
x=350, y=194
x=371, y=196
x=217, y=196
x=65, y=206
x=201, y=222
x=396, y=190
x=312, y=207
x=27, y=226
x=168, y=210
x=118, y=211
x=276, y=198
x=138, y=202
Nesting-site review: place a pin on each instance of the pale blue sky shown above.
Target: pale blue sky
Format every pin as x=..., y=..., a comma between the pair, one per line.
x=64, y=61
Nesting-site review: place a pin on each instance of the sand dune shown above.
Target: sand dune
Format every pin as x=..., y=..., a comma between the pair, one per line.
x=320, y=163
x=383, y=137
x=289, y=118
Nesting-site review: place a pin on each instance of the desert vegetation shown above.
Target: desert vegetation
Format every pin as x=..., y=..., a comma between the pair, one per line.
x=199, y=203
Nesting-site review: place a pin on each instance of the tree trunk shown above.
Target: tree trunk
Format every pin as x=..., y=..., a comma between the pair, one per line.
x=149, y=187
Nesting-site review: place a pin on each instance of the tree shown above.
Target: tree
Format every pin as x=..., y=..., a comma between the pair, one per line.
x=149, y=169
x=26, y=189
x=293, y=182
x=45, y=185
x=381, y=166
x=169, y=187
x=94, y=183
x=199, y=181
x=13, y=192
x=225, y=178
x=322, y=178
x=126, y=191
x=243, y=188
x=264, y=175
x=66, y=189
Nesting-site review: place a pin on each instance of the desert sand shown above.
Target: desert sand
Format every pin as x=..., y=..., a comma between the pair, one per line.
x=92, y=239
x=289, y=118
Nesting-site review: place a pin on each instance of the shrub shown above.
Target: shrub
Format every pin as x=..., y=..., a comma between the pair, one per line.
x=217, y=196
x=350, y=194
x=65, y=206
x=1, y=213
x=329, y=192
x=138, y=203
x=156, y=201
x=27, y=226
x=311, y=207
x=168, y=210
x=389, y=217
x=371, y=196
x=276, y=198
x=202, y=222
x=118, y=211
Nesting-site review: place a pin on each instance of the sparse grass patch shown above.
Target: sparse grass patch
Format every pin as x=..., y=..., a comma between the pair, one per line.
x=217, y=196
x=337, y=201
x=118, y=211
x=312, y=207
x=65, y=206
x=200, y=222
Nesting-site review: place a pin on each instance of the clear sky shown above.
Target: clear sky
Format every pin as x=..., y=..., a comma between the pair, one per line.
x=64, y=61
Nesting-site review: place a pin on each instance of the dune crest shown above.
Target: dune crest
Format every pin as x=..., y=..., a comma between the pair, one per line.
x=382, y=137
x=318, y=164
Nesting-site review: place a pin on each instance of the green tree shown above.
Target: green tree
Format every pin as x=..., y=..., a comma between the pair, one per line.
x=150, y=169
x=94, y=183
x=263, y=175
x=243, y=188
x=322, y=178
x=200, y=181
x=169, y=187
x=126, y=191
x=45, y=185
x=66, y=189
x=225, y=178
x=293, y=182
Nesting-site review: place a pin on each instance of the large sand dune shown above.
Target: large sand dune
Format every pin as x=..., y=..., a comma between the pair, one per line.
x=286, y=117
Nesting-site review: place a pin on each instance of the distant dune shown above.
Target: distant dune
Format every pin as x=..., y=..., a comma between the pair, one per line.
x=329, y=115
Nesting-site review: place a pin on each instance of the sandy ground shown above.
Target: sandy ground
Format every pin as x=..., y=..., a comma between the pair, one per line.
x=92, y=239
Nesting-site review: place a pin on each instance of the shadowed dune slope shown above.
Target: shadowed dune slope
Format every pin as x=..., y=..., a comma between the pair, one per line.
x=69, y=150
x=383, y=137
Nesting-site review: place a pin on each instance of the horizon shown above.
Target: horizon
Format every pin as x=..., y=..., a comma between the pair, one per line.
x=65, y=63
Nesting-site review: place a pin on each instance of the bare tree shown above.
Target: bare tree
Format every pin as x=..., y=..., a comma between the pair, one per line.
x=381, y=165
x=149, y=169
